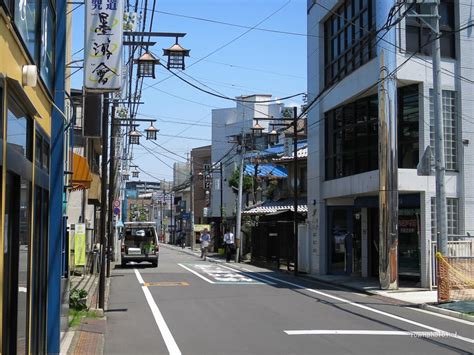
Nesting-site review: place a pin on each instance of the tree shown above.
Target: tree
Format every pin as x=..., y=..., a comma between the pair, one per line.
x=234, y=182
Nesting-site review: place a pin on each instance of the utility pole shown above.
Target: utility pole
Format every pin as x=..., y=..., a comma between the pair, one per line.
x=440, y=164
x=191, y=203
x=110, y=238
x=388, y=156
x=238, y=227
x=222, y=202
x=103, y=200
x=295, y=186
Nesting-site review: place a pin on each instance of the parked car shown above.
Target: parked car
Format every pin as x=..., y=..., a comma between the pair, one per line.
x=139, y=243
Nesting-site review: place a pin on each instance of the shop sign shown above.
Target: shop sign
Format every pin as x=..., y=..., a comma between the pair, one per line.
x=103, y=45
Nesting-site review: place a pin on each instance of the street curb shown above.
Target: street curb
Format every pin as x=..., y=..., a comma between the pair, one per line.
x=447, y=312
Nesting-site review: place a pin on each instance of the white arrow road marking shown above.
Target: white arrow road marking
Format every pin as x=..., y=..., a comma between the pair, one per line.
x=160, y=321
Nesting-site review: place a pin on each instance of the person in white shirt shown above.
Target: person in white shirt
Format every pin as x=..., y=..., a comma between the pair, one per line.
x=205, y=239
x=229, y=244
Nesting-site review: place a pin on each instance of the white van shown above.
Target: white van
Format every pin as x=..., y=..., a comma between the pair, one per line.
x=139, y=243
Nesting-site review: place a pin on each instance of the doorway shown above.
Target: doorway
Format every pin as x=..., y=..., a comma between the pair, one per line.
x=344, y=240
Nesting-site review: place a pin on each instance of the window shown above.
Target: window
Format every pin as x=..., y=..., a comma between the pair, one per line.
x=351, y=138
x=452, y=209
x=35, y=21
x=18, y=130
x=47, y=43
x=408, y=127
x=349, y=37
x=450, y=127
x=26, y=21
x=419, y=36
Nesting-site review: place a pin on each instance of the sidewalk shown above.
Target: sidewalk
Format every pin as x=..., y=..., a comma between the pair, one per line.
x=88, y=336
x=423, y=298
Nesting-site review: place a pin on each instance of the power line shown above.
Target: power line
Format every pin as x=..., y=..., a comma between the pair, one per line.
x=231, y=41
x=226, y=97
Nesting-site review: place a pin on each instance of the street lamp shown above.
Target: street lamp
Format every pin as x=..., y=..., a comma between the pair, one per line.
x=257, y=130
x=151, y=132
x=134, y=137
x=125, y=176
x=146, y=65
x=273, y=136
x=176, y=55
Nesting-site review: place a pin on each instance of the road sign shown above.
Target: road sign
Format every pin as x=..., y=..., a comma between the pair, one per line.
x=186, y=215
x=116, y=211
x=116, y=203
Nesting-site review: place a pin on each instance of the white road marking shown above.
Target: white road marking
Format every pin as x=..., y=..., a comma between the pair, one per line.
x=160, y=321
x=369, y=332
x=197, y=274
x=389, y=315
x=443, y=316
x=250, y=276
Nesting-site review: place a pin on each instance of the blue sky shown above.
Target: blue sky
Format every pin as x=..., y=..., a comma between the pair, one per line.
x=258, y=62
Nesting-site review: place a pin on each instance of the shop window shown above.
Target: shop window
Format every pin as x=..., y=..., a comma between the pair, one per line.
x=38, y=149
x=349, y=36
x=26, y=21
x=419, y=36
x=448, y=105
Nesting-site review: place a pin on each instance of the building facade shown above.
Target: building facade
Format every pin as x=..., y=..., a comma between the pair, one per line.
x=343, y=176
x=31, y=42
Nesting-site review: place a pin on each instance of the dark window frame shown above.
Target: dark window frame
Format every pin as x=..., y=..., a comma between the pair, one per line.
x=346, y=45
x=421, y=33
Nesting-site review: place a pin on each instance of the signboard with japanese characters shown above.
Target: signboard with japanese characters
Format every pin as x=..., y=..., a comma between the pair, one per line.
x=103, y=45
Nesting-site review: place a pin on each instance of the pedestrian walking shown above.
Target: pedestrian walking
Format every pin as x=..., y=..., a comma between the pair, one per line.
x=229, y=244
x=205, y=239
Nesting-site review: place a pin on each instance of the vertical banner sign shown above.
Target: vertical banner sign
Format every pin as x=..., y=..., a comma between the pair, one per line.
x=103, y=45
x=80, y=245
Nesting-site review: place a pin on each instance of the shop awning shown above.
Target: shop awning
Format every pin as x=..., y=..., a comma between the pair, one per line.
x=93, y=197
x=266, y=170
x=81, y=175
x=272, y=207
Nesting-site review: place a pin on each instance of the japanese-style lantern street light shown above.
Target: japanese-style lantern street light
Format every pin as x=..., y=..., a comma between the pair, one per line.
x=125, y=176
x=257, y=130
x=135, y=173
x=176, y=55
x=146, y=65
x=134, y=137
x=151, y=132
x=273, y=136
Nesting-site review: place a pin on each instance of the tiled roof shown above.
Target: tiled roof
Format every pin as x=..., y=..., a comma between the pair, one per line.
x=277, y=206
x=266, y=170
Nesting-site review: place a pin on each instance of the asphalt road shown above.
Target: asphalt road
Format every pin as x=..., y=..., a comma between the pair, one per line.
x=190, y=306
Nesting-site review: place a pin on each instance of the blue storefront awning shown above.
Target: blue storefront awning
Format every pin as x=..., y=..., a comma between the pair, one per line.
x=264, y=170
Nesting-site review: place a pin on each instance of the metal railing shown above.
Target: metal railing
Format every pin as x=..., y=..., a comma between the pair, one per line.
x=458, y=246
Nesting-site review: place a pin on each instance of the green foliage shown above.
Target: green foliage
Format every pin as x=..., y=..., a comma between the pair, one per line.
x=76, y=316
x=234, y=182
x=77, y=299
x=272, y=185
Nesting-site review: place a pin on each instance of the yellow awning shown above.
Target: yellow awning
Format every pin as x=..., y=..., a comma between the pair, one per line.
x=81, y=175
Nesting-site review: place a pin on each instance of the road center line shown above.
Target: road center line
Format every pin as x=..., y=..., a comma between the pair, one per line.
x=160, y=321
x=389, y=315
x=197, y=274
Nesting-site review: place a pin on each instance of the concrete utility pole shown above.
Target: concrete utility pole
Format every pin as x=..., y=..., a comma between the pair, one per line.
x=103, y=206
x=191, y=203
x=238, y=227
x=295, y=186
x=388, y=155
x=440, y=164
x=110, y=239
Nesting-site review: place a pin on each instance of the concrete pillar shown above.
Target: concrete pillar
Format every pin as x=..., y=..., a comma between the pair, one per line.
x=365, y=243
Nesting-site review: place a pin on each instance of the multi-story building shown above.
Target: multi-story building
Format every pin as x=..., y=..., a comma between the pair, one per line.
x=228, y=122
x=343, y=176
x=32, y=42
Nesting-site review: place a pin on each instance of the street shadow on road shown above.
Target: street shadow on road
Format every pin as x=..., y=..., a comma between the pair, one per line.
x=134, y=266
